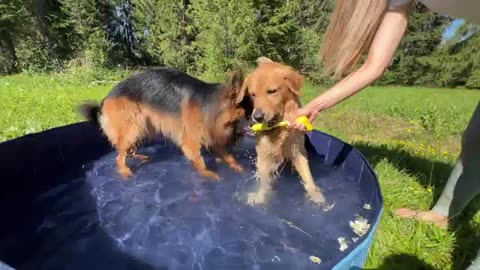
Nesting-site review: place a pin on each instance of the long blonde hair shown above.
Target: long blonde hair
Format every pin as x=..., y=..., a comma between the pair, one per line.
x=350, y=33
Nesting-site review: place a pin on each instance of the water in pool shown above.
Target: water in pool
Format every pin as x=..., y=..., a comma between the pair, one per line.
x=167, y=217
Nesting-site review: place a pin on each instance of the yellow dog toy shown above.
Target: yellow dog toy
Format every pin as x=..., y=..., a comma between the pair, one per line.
x=301, y=120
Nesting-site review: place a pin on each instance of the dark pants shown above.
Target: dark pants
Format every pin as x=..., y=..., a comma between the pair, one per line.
x=464, y=182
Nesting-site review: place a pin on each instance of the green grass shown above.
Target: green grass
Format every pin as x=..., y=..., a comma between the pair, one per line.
x=35, y=103
x=410, y=135
x=412, y=138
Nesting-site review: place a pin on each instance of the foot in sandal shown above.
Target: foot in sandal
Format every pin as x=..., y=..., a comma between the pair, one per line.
x=425, y=216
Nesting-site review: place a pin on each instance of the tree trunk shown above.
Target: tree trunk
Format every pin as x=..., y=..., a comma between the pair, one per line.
x=8, y=47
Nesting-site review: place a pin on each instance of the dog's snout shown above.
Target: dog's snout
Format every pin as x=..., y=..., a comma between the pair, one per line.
x=258, y=116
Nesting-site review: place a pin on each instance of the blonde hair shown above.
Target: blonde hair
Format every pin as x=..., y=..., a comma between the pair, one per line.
x=350, y=33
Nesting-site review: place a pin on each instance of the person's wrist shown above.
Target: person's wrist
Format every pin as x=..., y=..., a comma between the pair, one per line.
x=317, y=105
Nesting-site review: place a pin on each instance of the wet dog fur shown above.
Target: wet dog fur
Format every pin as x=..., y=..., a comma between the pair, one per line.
x=191, y=113
x=274, y=90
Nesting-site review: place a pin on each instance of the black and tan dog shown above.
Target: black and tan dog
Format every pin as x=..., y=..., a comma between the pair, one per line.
x=274, y=89
x=192, y=113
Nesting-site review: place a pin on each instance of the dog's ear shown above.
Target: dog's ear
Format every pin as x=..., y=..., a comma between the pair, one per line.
x=294, y=81
x=235, y=81
x=242, y=90
x=263, y=60
x=237, y=85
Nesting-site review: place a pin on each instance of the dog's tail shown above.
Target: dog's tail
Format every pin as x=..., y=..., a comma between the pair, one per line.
x=91, y=111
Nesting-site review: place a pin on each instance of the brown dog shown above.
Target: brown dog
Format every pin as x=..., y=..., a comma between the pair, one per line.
x=274, y=90
x=190, y=112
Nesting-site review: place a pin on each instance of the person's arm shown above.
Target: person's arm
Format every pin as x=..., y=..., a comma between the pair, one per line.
x=380, y=55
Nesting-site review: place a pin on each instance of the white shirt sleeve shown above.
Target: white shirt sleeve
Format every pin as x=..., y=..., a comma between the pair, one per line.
x=396, y=3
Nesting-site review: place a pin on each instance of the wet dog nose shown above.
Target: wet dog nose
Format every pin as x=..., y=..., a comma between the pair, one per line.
x=258, y=116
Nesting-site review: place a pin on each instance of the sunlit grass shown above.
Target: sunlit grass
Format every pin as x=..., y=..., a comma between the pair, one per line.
x=410, y=135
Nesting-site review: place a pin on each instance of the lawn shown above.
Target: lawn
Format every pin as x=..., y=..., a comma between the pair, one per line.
x=410, y=135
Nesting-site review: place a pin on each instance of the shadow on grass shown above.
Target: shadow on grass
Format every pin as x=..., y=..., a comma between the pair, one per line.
x=434, y=174
x=403, y=262
x=427, y=172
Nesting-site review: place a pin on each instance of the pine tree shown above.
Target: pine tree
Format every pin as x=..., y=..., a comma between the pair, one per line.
x=51, y=45
x=226, y=35
x=314, y=17
x=90, y=20
x=314, y=14
x=166, y=31
x=413, y=64
x=279, y=31
x=121, y=32
x=13, y=21
x=459, y=58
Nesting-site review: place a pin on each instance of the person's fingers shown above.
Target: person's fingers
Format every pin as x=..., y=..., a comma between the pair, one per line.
x=298, y=126
x=301, y=112
x=313, y=116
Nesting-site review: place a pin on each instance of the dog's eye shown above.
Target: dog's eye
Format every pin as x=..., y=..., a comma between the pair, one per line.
x=272, y=91
x=253, y=95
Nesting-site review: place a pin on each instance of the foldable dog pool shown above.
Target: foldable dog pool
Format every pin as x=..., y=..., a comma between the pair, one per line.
x=63, y=206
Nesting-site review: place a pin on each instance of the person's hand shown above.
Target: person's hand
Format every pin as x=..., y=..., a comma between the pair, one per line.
x=309, y=111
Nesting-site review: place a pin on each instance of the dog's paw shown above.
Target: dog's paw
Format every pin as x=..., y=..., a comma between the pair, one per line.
x=237, y=168
x=125, y=173
x=142, y=158
x=316, y=197
x=251, y=199
x=255, y=198
x=210, y=175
